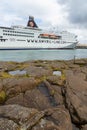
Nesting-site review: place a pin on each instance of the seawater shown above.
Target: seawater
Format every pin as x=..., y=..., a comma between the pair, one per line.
x=24, y=55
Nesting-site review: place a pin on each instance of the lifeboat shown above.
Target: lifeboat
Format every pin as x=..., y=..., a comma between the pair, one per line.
x=53, y=36
x=44, y=35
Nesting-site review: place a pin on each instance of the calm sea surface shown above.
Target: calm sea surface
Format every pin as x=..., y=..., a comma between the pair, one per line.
x=24, y=55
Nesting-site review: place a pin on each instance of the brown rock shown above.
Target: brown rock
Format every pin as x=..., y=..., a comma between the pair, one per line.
x=15, y=117
x=44, y=96
x=60, y=117
x=56, y=119
x=84, y=127
x=36, y=99
x=6, y=124
x=84, y=70
x=16, y=113
x=41, y=97
x=7, y=66
x=55, y=80
x=14, y=86
x=38, y=71
x=45, y=125
x=31, y=98
x=19, y=99
x=57, y=65
x=55, y=93
x=76, y=96
x=32, y=121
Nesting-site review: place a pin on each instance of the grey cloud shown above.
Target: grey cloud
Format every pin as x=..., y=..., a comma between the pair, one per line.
x=62, y=1
x=77, y=11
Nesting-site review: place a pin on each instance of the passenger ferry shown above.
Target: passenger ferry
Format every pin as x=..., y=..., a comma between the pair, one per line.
x=32, y=37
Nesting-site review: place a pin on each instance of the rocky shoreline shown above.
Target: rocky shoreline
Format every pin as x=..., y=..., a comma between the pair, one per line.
x=43, y=95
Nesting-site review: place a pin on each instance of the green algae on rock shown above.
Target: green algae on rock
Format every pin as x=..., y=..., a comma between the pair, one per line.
x=2, y=97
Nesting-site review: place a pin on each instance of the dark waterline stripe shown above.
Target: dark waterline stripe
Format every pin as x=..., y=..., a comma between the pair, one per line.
x=36, y=48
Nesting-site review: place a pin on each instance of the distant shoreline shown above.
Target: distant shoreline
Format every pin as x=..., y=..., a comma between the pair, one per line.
x=81, y=46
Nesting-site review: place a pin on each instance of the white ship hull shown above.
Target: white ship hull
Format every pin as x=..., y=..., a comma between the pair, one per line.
x=24, y=45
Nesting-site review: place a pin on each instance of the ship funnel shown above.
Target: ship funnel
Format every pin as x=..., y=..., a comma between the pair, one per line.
x=31, y=22
x=31, y=18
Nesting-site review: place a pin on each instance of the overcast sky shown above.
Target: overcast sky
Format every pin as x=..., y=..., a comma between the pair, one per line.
x=70, y=15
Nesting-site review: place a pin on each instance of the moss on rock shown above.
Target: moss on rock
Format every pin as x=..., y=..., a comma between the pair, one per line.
x=2, y=96
x=5, y=75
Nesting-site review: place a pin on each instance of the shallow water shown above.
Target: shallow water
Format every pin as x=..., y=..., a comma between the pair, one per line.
x=57, y=73
x=17, y=72
x=23, y=55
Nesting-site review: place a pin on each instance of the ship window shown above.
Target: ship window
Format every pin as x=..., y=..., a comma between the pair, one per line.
x=39, y=40
x=2, y=40
x=35, y=41
x=28, y=40
x=4, y=30
x=57, y=41
x=46, y=41
x=32, y=40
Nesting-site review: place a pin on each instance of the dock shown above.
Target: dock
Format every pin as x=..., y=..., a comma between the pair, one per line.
x=81, y=46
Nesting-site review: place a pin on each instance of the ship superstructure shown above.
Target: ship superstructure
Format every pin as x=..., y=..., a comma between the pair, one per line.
x=31, y=37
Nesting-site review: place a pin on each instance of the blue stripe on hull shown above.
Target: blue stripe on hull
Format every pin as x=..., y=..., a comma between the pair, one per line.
x=33, y=48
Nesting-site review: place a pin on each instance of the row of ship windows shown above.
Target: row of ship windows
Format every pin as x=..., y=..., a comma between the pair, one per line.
x=18, y=32
x=42, y=41
x=16, y=35
x=37, y=41
x=33, y=41
x=3, y=40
